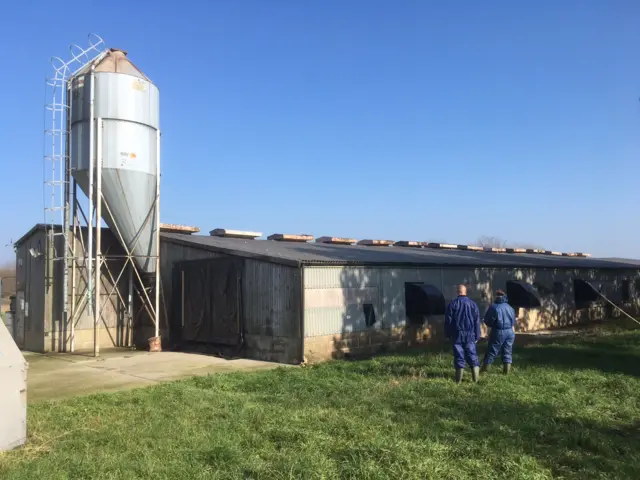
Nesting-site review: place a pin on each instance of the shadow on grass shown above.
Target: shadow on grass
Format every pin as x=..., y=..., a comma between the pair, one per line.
x=567, y=445
x=589, y=350
x=383, y=415
x=618, y=353
x=373, y=419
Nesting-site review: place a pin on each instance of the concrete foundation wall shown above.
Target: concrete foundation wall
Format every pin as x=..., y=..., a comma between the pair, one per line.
x=327, y=347
x=334, y=298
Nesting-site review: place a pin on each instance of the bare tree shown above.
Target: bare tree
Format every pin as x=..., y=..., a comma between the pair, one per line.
x=497, y=242
x=490, y=242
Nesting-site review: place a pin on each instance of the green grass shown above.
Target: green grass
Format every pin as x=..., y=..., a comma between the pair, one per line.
x=570, y=410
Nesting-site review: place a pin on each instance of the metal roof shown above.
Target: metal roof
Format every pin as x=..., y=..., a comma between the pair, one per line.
x=44, y=226
x=629, y=261
x=300, y=253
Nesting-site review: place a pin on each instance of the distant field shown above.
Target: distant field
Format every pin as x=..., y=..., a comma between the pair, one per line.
x=571, y=410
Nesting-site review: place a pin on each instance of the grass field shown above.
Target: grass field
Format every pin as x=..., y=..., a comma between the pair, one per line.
x=570, y=410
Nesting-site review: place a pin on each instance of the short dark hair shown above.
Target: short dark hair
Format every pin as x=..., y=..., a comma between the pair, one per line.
x=500, y=293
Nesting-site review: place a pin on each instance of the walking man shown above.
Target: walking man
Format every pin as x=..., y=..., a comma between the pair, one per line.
x=462, y=327
x=500, y=318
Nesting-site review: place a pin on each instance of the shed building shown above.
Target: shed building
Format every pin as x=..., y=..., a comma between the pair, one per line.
x=320, y=300
x=288, y=299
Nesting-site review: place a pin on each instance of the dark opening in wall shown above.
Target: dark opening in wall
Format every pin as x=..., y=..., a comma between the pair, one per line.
x=584, y=293
x=542, y=289
x=423, y=299
x=626, y=291
x=558, y=288
x=369, y=314
x=522, y=294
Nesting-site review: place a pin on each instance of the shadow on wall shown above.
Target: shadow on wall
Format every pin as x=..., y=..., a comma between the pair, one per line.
x=554, y=289
x=375, y=317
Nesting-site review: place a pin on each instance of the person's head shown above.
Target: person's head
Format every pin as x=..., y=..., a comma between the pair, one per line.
x=501, y=297
x=462, y=290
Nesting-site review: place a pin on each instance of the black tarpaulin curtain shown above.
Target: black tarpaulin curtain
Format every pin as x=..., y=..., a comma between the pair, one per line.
x=424, y=299
x=522, y=295
x=211, y=302
x=584, y=293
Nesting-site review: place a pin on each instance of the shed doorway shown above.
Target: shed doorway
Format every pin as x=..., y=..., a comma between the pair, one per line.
x=209, y=306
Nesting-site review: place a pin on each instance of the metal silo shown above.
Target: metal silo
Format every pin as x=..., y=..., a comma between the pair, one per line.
x=120, y=102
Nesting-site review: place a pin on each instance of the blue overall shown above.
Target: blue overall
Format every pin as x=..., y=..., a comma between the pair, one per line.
x=500, y=318
x=462, y=327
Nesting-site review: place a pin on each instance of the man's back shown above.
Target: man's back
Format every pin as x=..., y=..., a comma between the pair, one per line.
x=462, y=320
x=462, y=327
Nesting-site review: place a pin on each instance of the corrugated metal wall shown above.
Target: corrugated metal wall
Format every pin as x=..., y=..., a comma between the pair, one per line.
x=271, y=299
x=334, y=295
x=170, y=254
x=271, y=295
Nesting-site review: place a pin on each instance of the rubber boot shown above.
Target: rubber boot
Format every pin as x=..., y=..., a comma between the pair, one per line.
x=475, y=374
x=506, y=368
x=484, y=368
x=459, y=373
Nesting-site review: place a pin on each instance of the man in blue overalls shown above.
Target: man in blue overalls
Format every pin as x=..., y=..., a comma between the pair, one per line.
x=500, y=318
x=462, y=327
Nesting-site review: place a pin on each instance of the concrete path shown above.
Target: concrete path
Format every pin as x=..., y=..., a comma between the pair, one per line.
x=54, y=376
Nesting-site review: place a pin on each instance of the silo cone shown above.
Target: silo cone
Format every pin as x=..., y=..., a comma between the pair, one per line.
x=128, y=104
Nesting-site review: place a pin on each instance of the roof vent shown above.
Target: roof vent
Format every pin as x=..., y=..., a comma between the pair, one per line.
x=287, y=237
x=174, y=228
x=408, y=243
x=225, y=232
x=376, y=243
x=447, y=246
x=336, y=240
x=473, y=248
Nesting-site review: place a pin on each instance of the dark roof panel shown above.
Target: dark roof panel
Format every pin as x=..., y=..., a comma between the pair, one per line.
x=296, y=254
x=326, y=254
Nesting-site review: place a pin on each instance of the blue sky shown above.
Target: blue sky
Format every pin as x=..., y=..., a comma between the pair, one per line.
x=419, y=120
